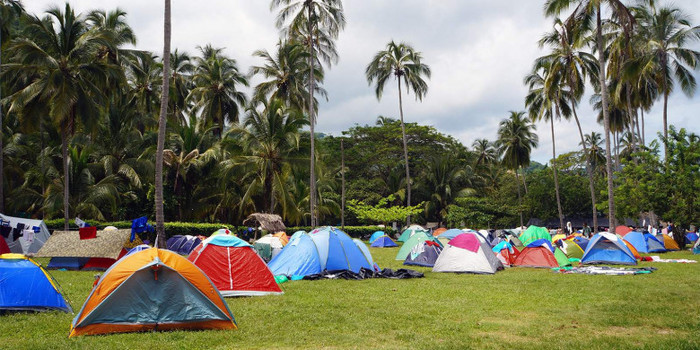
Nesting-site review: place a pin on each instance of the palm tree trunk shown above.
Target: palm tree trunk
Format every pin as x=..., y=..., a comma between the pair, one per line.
x=644, y=136
x=160, y=219
x=617, y=150
x=589, y=171
x=342, y=186
x=554, y=168
x=606, y=119
x=630, y=117
x=405, y=154
x=520, y=199
x=665, y=123
x=66, y=180
x=639, y=132
x=522, y=170
x=312, y=122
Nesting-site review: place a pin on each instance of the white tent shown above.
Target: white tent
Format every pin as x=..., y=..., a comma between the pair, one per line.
x=30, y=242
x=466, y=253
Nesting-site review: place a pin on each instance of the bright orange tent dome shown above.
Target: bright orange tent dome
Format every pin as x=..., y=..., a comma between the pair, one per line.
x=439, y=231
x=152, y=289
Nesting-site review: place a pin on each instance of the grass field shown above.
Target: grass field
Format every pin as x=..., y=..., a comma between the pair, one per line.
x=515, y=308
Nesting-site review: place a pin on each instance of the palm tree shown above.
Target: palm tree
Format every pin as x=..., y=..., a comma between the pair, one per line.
x=547, y=100
x=403, y=63
x=595, y=154
x=666, y=34
x=287, y=72
x=485, y=152
x=180, y=86
x=9, y=11
x=269, y=139
x=445, y=180
x=583, y=13
x=566, y=42
x=60, y=62
x=144, y=80
x=319, y=22
x=113, y=23
x=516, y=139
x=160, y=225
x=217, y=80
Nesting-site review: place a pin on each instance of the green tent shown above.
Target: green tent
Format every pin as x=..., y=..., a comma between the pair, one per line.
x=534, y=233
x=572, y=249
x=416, y=239
x=562, y=259
x=410, y=232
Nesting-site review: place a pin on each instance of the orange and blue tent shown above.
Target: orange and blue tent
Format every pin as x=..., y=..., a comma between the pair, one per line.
x=153, y=289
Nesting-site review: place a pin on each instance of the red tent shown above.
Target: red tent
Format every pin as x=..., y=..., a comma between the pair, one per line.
x=536, y=257
x=102, y=263
x=506, y=256
x=4, y=248
x=234, y=267
x=622, y=230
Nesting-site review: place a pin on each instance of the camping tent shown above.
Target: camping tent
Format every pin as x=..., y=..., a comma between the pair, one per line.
x=153, y=289
x=68, y=251
x=451, y=234
x=644, y=242
x=384, y=242
x=138, y=248
x=506, y=253
x=376, y=235
x=581, y=241
x=439, y=231
x=696, y=247
x=467, y=254
x=423, y=254
x=410, y=231
x=25, y=285
x=325, y=248
x=606, y=248
x=622, y=230
x=36, y=237
x=182, y=244
x=691, y=237
x=536, y=256
x=534, y=233
x=571, y=248
x=233, y=267
x=669, y=243
x=415, y=240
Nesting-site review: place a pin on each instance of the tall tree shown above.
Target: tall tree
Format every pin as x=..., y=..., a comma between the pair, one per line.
x=667, y=34
x=59, y=60
x=516, y=139
x=9, y=11
x=566, y=42
x=583, y=13
x=319, y=22
x=402, y=62
x=216, y=93
x=164, y=94
x=547, y=100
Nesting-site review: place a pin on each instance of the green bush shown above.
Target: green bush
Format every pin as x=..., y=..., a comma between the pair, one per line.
x=171, y=228
x=352, y=231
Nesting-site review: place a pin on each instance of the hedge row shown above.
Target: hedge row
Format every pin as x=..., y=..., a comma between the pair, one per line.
x=206, y=229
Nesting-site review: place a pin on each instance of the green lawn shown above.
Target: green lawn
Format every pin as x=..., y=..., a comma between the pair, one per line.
x=516, y=308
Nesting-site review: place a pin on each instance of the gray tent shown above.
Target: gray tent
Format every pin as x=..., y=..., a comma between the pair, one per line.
x=31, y=242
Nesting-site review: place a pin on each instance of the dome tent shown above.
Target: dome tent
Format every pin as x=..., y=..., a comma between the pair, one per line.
x=153, y=289
x=506, y=253
x=233, y=267
x=534, y=233
x=410, y=231
x=669, y=243
x=539, y=253
x=451, y=233
x=606, y=248
x=26, y=286
x=644, y=242
x=424, y=254
x=383, y=242
x=182, y=245
x=415, y=240
x=323, y=249
x=467, y=254
x=376, y=235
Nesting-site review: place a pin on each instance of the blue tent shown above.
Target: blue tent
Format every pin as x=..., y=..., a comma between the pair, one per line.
x=182, y=245
x=25, y=285
x=325, y=248
x=375, y=236
x=384, y=242
x=451, y=233
x=424, y=254
x=366, y=253
x=66, y=263
x=645, y=242
x=138, y=248
x=605, y=248
x=582, y=242
x=691, y=238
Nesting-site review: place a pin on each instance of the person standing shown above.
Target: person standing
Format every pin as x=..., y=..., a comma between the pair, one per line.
x=586, y=230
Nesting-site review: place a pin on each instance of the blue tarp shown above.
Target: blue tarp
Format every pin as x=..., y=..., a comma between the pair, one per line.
x=645, y=242
x=25, y=286
x=383, y=242
x=607, y=249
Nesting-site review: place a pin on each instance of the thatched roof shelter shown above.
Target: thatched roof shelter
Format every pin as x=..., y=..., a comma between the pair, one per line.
x=107, y=244
x=268, y=222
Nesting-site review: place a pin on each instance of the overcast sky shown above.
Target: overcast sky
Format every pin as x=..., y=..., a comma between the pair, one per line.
x=479, y=52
